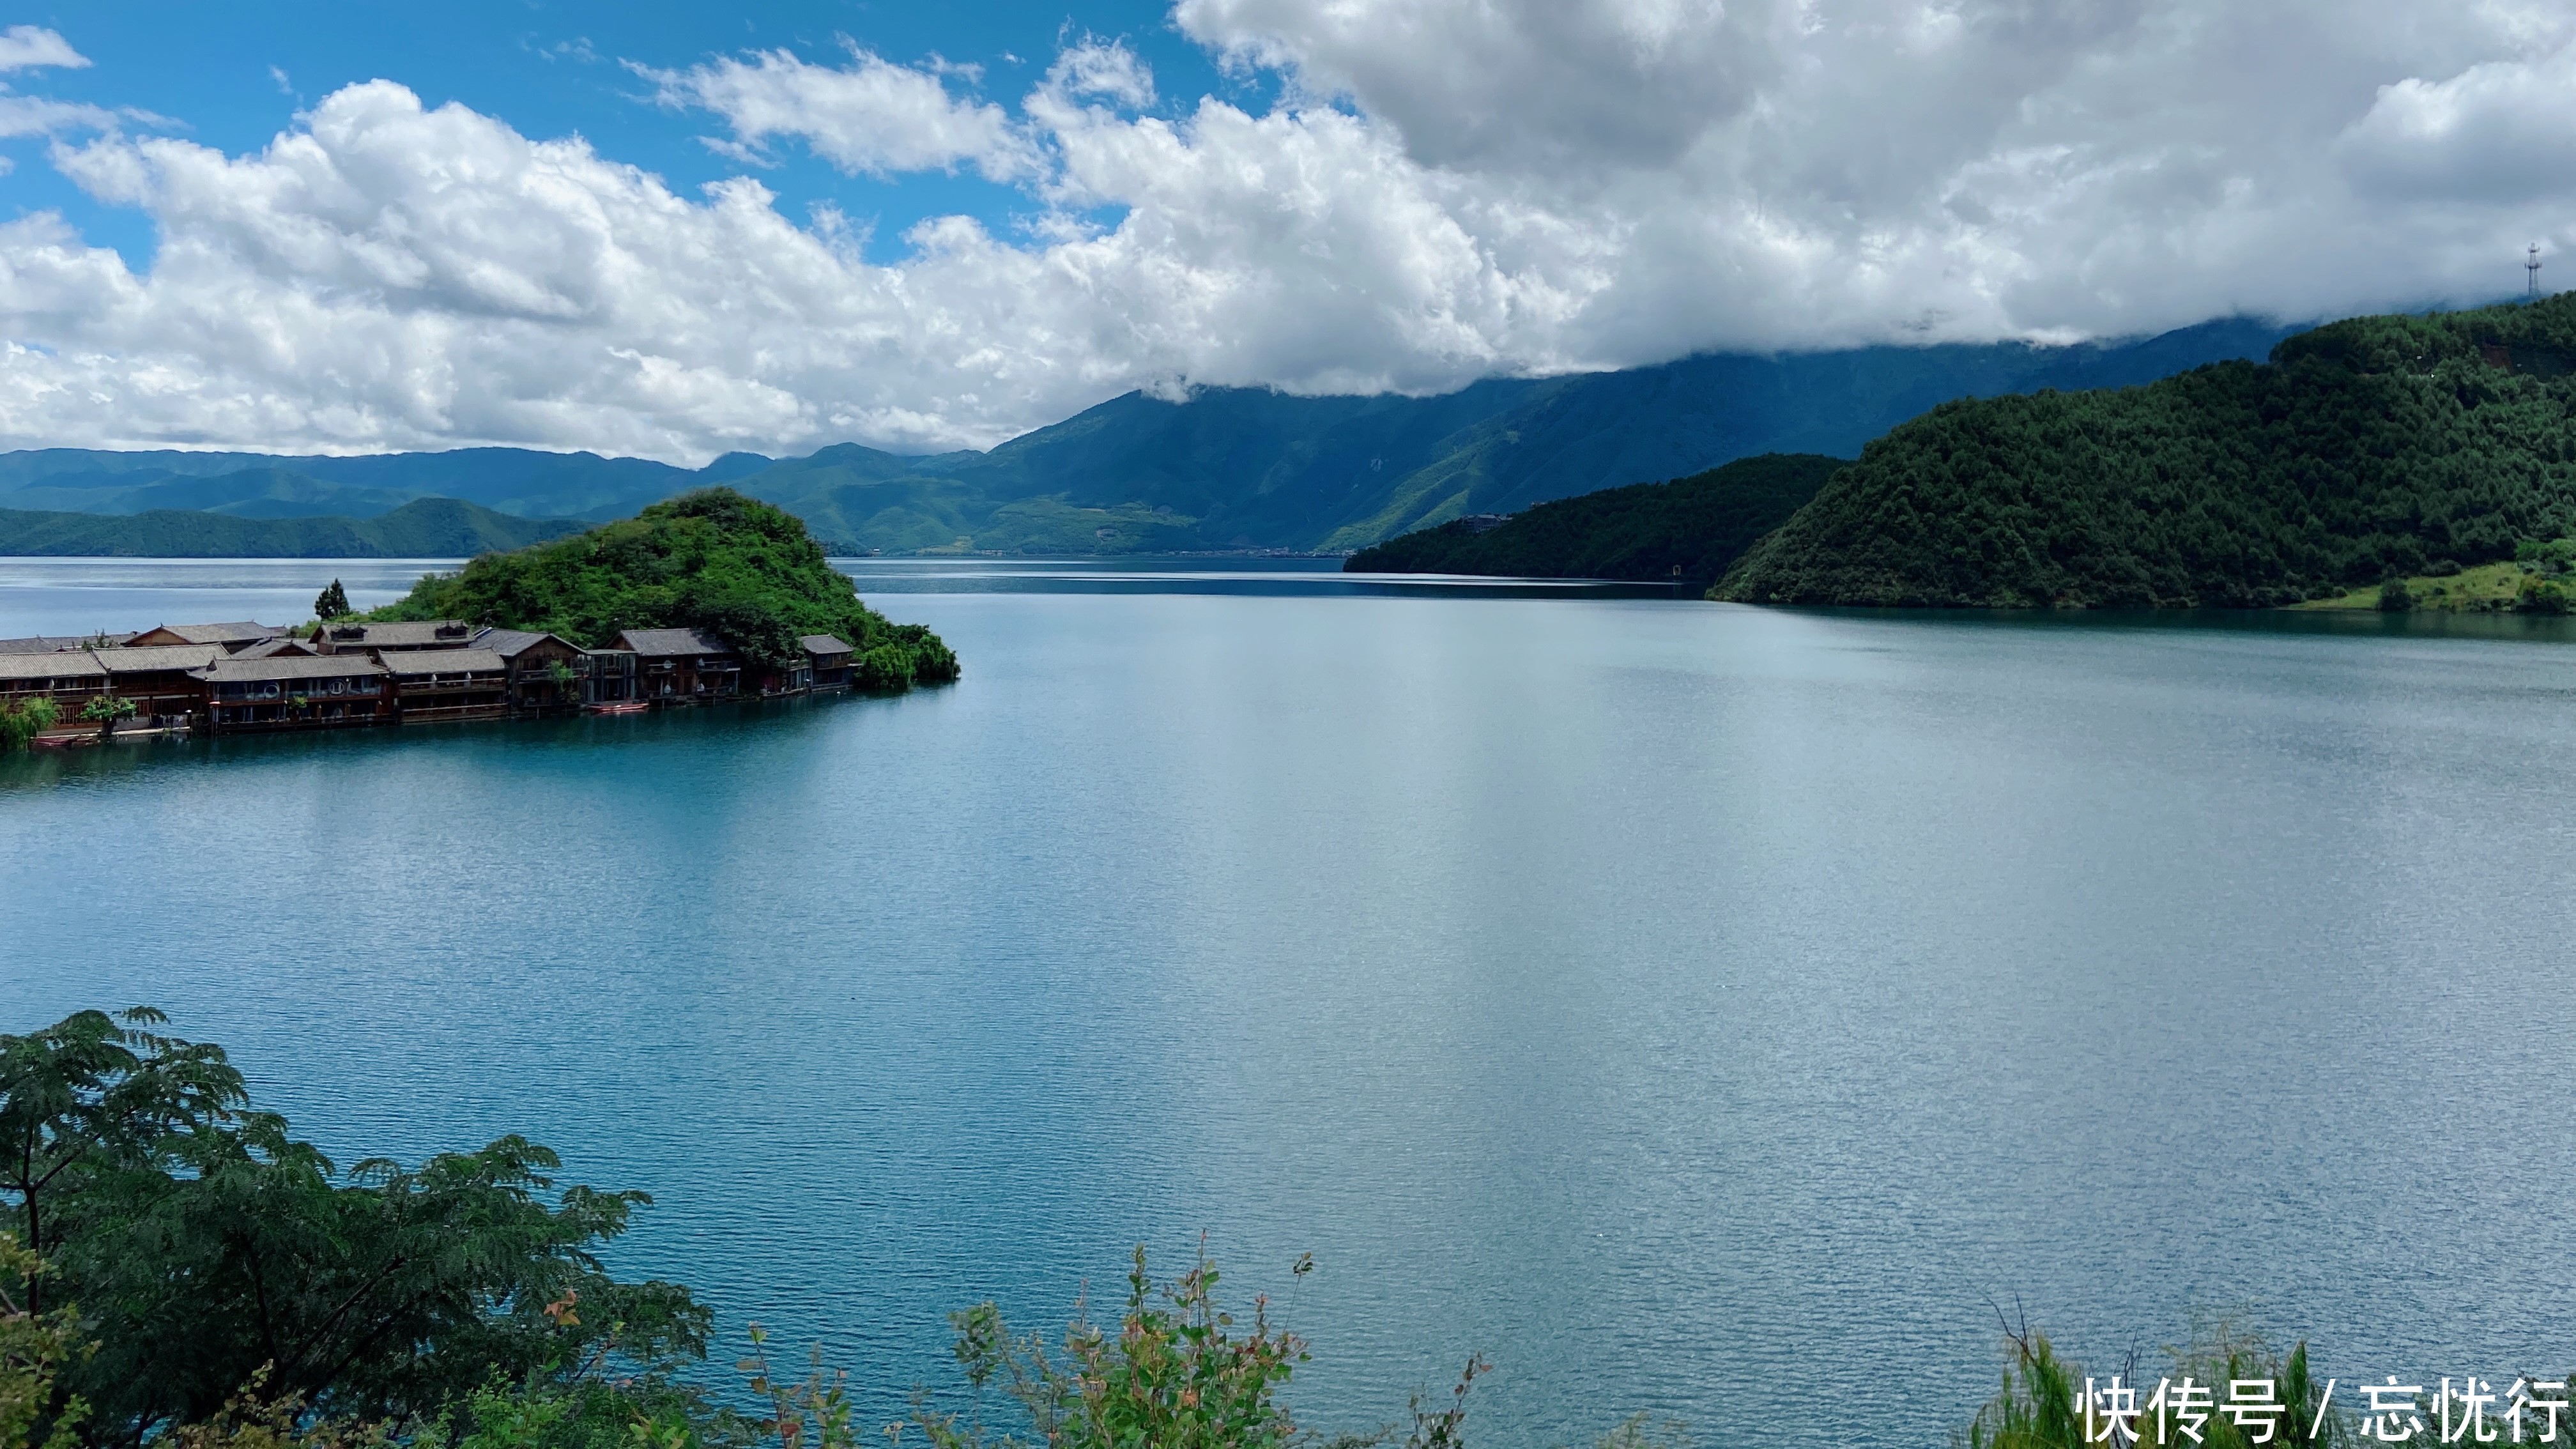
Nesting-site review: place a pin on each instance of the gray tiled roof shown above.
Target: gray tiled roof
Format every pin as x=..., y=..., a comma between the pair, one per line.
x=239, y=632
x=509, y=643
x=446, y=661
x=159, y=656
x=672, y=641
x=824, y=644
x=233, y=669
x=268, y=647
x=404, y=634
x=56, y=643
x=51, y=666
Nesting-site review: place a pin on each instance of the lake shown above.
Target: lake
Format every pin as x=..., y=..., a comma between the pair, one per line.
x=1699, y=1009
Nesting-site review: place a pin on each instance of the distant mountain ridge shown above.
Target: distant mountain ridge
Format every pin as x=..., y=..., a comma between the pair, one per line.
x=1242, y=467
x=519, y=481
x=1227, y=468
x=421, y=528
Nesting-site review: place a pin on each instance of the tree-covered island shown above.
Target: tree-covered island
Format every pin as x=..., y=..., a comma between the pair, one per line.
x=713, y=560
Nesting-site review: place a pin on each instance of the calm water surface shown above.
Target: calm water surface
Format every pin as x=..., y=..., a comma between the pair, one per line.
x=1699, y=1009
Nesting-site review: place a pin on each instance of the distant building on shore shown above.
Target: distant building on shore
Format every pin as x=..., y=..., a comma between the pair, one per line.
x=230, y=678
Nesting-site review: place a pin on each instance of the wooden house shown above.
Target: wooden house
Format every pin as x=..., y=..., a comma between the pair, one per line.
x=683, y=666
x=234, y=637
x=296, y=692
x=398, y=638
x=828, y=662
x=70, y=678
x=447, y=686
x=548, y=674
x=164, y=680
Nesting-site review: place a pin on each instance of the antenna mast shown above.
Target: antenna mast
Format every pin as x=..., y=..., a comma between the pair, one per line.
x=2531, y=289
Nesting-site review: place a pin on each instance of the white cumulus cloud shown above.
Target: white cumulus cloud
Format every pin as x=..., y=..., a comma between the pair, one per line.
x=29, y=47
x=1448, y=189
x=869, y=117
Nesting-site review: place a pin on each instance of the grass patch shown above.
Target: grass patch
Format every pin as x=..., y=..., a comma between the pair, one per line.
x=2488, y=588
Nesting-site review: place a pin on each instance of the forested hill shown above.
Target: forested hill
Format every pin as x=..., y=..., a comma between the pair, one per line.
x=2369, y=448
x=1688, y=529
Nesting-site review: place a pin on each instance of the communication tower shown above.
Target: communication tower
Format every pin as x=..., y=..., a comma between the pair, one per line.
x=2531, y=288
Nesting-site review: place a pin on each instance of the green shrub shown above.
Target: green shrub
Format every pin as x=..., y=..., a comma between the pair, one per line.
x=882, y=670
x=237, y=1291
x=2541, y=596
x=20, y=723
x=2042, y=1402
x=34, y=1348
x=2395, y=597
x=206, y=1247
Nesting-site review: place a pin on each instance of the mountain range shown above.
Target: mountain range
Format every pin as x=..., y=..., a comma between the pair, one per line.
x=421, y=528
x=1222, y=468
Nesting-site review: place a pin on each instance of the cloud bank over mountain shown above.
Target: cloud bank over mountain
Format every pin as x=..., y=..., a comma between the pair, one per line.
x=1446, y=189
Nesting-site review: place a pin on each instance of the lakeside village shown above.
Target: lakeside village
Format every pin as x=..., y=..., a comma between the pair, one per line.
x=244, y=677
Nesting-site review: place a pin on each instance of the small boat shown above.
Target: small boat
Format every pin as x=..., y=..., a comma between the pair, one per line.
x=623, y=706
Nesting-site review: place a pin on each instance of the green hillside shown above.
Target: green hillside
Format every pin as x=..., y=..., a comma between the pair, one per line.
x=1690, y=528
x=2378, y=447
x=423, y=528
x=712, y=560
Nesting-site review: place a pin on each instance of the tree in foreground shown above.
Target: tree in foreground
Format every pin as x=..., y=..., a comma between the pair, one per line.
x=209, y=1282
x=21, y=723
x=208, y=1250
x=333, y=603
x=105, y=710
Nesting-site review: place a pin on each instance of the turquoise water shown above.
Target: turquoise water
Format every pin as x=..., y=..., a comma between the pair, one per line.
x=1698, y=1009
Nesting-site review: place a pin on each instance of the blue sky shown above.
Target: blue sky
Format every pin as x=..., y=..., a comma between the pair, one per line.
x=556, y=68
x=350, y=228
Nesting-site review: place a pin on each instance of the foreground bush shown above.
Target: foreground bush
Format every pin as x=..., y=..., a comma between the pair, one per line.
x=207, y=1250
x=2224, y=1390
x=178, y=1270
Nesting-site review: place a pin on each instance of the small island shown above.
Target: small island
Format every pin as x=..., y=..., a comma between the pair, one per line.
x=709, y=598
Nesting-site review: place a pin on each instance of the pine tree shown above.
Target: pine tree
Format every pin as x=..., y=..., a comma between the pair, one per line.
x=333, y=603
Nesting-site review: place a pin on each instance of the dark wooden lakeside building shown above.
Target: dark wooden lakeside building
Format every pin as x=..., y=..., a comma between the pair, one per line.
x=165, y=681
x=229, y=678
x=297, y=691
x=828, y=662
x=447, y=686
x=682, y=666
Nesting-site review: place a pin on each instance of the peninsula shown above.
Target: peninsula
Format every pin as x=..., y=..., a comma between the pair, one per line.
x=1687, y=530
x=2374, y=449
x=709, y=598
